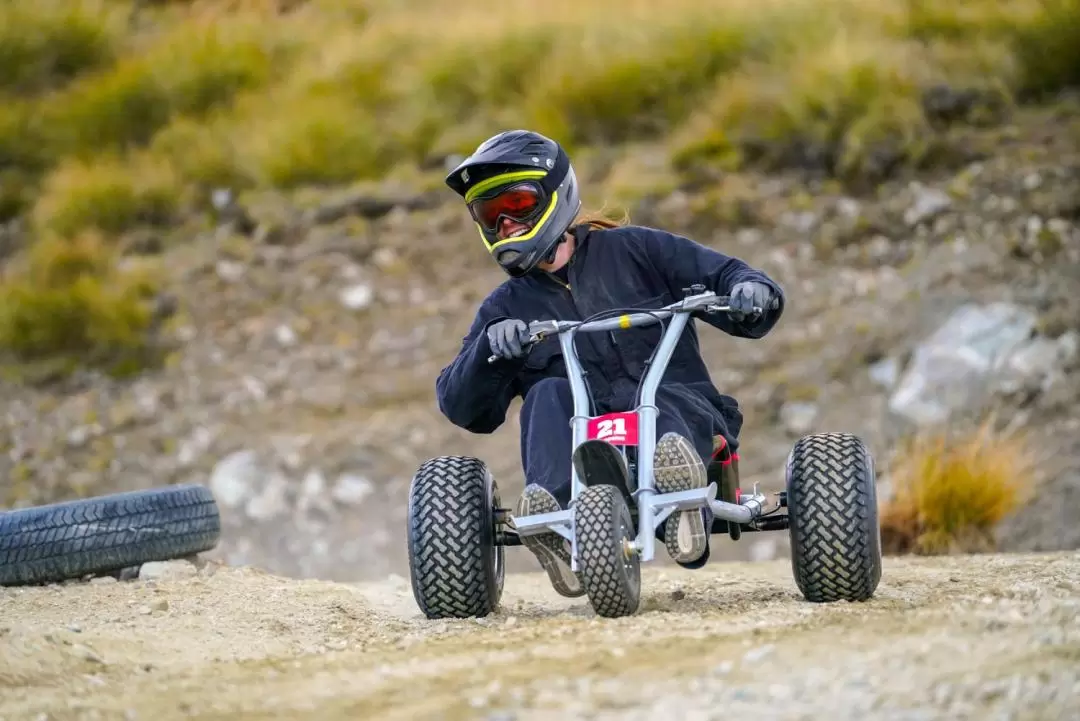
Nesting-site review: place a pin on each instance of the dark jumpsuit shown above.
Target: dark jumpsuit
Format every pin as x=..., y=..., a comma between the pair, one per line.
x=628, y=267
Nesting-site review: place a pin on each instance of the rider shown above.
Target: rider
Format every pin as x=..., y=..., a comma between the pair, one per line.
x=522, y=193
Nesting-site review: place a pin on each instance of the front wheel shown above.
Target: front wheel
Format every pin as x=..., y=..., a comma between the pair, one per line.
x=456, y=567
x=832, y=509
x=611, y=573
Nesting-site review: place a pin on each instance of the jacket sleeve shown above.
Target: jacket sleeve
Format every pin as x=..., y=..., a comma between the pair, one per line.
x=685, y=262
x=472, y=393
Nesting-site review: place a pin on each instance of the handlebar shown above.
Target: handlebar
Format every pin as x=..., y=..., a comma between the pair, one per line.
x=707, y=301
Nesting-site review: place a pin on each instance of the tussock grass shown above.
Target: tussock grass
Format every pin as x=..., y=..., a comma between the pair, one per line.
x=68, y=305
x=950, y=491
x=107, y=195
x=350, y=89
x=851, y=109
x=45, y=43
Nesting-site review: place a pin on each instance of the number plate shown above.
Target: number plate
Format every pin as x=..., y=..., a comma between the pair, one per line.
x=619, y=429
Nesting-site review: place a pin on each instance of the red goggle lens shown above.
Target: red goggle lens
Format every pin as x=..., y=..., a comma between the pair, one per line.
x=517, y=203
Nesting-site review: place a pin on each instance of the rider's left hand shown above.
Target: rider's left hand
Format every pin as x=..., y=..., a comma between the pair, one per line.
x=746, y=296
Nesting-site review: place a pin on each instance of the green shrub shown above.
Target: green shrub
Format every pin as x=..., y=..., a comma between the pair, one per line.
x=46, y=43
x=1048, y=48
x=633, y=84
x=202, y=155
x=849, y=108
x=114, y=109
x=107, y=194
x=69, y=306
x=313, y=141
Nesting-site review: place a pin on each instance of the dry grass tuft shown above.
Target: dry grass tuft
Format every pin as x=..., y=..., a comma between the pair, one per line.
x=949, y=492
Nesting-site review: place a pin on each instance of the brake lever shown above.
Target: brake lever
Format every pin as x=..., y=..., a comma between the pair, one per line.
x=533, y=340
x=714, y=308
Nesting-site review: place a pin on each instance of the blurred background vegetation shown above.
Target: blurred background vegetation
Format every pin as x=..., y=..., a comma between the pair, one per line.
x=117, y=115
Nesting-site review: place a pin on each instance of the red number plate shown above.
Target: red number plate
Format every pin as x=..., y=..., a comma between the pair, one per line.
x=619, y=429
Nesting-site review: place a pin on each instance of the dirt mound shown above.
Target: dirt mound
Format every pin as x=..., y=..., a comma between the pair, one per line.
x=963, y=637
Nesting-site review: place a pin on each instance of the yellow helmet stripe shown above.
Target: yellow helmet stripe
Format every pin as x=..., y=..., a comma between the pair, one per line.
x=511, y=177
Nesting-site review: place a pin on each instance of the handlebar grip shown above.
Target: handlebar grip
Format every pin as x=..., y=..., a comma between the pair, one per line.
x=527, y=346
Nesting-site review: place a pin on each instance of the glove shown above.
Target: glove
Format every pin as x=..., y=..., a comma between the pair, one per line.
x=746, y=296
x=507, y=338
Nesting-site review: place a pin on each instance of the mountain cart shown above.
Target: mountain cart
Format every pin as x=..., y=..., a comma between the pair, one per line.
x=458, y=529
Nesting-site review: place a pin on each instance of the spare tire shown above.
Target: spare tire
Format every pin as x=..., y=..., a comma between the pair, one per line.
x=72, y=539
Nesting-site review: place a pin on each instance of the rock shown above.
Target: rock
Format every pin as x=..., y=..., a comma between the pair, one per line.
x=357, y=297
x=221, y=198
x=167, y=570
x=929, y=203
x=272, y=499
x=367, y=206
x=234, y=478
x=285, y=336
x=1035, y=362
x=757, y=654
x=195, y=446
x=848, y=208
x=950, y=369
x=128, y=573
x=749, y=236
x=351, y=490
x=798, y=417
x=230, y=271
x=87, y=654
x=79, y=436
x=313, y=493
x=885, y=372
x=324, y=397
x=801, y=222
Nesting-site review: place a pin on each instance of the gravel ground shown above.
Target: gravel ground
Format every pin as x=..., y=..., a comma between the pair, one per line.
x=971, y=637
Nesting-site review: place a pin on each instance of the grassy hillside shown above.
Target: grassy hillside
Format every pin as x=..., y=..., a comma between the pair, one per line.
x=118, y=115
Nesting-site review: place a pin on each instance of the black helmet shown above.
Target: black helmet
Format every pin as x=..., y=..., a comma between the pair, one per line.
x=528, y=178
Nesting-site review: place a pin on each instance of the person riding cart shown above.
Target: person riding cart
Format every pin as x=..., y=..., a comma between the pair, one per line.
x=521, y=191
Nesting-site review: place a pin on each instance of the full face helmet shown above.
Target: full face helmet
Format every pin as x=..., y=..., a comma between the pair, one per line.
x=527, y=178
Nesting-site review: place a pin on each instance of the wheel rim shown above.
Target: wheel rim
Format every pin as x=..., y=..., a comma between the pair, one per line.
x=496, y=548
x=626, y=537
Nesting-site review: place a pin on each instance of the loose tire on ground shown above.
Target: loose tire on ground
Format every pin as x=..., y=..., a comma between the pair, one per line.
x=61, y=541
x=456, y=568
x=832, y=508
x=612, y=578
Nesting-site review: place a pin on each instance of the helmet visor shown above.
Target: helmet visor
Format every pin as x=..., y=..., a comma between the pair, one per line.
x=520, y=203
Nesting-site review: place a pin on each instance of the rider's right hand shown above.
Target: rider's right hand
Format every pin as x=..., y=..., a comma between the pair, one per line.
x=508, y=338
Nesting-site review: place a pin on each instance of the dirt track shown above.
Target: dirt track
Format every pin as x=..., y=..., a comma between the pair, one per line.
x=994, y=637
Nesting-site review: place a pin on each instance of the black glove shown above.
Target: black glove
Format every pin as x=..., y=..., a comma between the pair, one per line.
x=746, y=296
x=507, y=338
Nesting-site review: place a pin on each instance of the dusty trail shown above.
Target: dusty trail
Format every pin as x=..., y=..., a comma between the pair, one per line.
x=990, y=637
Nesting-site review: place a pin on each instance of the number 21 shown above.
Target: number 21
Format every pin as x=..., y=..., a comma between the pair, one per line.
x=611, y=426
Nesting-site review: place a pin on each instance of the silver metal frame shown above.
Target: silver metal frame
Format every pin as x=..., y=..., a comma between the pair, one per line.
x=653, y=508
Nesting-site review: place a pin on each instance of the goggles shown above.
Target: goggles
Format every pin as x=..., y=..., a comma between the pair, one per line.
x=520, y=202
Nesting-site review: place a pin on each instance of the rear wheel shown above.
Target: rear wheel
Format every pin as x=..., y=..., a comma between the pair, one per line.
x=832, y=509
x=456, y=568
x=610, y=572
